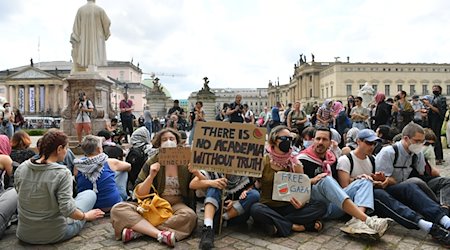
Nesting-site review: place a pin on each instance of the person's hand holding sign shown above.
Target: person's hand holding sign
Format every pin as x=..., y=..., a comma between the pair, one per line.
x=296, y=203
x=154, y=169
x=219, y=183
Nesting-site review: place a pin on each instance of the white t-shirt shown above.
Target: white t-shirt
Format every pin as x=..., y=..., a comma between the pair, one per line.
x=359, y=166
x=82, y=116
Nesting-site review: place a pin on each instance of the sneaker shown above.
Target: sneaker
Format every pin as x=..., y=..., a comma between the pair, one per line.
x=128, y=234
x=207, y=240
x=357, y=228
x=378, y=224
x=167, y=237
x=441, y=235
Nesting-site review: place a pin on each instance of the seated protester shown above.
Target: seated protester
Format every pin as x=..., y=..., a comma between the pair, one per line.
x=396, y=170
x=279, y=217
x=350, y=141
x=44, y=190
x=8, y=196
x=172, y=184
x=68, y=159
x=385, y=135
x=110, y=148
x=335, y=140
x=318, y=162
x=117, y=135
x=308, y=136
x=20, y=143
x=237, y=210
x=141, y=149
x=325, y=115
x=106, y=176
x=183, y=138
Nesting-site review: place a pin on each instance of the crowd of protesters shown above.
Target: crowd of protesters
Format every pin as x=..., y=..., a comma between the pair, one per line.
x=368, y=165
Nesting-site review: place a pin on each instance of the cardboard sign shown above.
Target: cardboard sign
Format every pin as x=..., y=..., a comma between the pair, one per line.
x=230, y=148
x=287, y=185
x=174, y=156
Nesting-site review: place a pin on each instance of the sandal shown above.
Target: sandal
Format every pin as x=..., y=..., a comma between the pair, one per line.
x=315, y=226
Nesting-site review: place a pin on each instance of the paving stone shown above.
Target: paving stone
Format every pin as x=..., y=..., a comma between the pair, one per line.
x=310, y=246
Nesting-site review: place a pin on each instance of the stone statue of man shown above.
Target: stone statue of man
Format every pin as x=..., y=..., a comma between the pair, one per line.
x=90, y=31
x=367, y=93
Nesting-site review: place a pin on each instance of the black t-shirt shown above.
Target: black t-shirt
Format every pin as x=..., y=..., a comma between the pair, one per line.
x=173, y=109
x=312, y=169
x=115, y=152
x=236, y=116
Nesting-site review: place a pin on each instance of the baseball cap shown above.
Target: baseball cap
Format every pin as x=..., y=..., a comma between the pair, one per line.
x=367, y=135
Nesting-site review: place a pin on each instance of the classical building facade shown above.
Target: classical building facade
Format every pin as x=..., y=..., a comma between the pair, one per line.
x=39, y=89
x=316, y=81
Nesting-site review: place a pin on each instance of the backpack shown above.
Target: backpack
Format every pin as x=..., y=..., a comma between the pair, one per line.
x=136, y=157
x=414, y=159
x=334, y=171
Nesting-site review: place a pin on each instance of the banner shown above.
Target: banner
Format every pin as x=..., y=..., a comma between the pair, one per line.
x=41, y=98
x=230, y=148
x=287, y=185
x=174, y=156
x=22, y=100
x=32, y=100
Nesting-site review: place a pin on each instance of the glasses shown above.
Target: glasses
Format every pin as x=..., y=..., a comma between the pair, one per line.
x=417, y=141
x=370, y=143
x=285, y=138
x=428, y=143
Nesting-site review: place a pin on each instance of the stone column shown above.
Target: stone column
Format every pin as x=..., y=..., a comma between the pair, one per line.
x=10, y=93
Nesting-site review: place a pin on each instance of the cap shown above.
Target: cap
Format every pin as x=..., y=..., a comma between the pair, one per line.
x=415, y=97
x=367, y=135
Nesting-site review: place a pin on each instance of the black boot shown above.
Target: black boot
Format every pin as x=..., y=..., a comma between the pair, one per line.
x=207, y=240
x=441, y=235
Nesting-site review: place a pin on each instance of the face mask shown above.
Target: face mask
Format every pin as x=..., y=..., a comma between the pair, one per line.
x=415, y=148
x=169, y=144
x=306, y=144
x=436, y=92
x=350, y=100
x=284, y=146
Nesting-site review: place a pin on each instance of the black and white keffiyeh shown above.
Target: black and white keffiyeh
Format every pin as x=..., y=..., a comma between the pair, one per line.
x=91, y=168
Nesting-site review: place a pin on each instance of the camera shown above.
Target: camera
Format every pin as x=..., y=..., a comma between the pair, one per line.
x=81, y=96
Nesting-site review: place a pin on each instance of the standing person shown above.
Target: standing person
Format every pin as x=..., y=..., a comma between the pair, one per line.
x=447, y=129
x=84, y=108
x=404, y=110
x=359, y=114
x=297, y=118
x=18, y=120
x=45, y=205
x=264, y=117
x=148, y=120
x=126, y=115
x=7, y=127
x=235, y=111
x=325, y=114
x=286, y=113
x=350, y=105
x=249, y=117
x=342, y=121
x=90, y=31
x=382, y=112
x=419, y=109
x=276, y=119
x=436, y=115
x=197, y=115
x=221, y=114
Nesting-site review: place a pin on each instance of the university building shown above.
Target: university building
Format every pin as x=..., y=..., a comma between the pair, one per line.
x=314, y=82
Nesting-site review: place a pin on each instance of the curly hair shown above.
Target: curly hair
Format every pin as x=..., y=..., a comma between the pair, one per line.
x=156, y=142
x=20, y=140
x=50, y=142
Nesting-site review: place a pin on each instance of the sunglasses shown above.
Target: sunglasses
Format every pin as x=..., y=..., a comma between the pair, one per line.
x=427, y=143
x=370, y=143
x=285, y=138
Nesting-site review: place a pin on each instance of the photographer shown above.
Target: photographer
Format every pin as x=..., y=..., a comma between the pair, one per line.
x=236, y=111
x=84, y=108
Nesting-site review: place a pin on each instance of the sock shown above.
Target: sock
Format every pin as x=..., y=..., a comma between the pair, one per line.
x=425, y=225
x=445, y=221
x=208, y=222
x=160, y=237
x=225, y=216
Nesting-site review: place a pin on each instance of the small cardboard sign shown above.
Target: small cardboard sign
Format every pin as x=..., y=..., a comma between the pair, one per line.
x=287, y=185
x=174, y=156
x=230, y=148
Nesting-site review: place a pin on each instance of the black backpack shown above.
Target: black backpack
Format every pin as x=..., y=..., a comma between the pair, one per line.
x=136, y=157
x=350, y=158
x=414, y=159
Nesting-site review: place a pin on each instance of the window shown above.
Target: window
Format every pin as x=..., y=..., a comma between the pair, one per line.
x=412, y=89
x=2, y=91
x=387, y=90
x=323, y=96
x=349, y=89
x=310, y=92
x=399, y=87
x=331, y=90
x=375, y=88
x=361, y=85
x=448, y=89
x=327, y=93
x=122, y=75
x=310, y=78
x=131, y=96
x=425, y=89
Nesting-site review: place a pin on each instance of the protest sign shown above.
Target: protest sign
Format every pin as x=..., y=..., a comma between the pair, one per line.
x=174, y=156
x=287, y=185
x=230, y=148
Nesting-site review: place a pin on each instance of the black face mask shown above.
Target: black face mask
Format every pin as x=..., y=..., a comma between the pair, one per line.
x=350, y=100
x=436, y=92
x=285, y=146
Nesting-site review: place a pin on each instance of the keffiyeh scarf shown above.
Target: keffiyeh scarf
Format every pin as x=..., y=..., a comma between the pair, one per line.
x=91, y=168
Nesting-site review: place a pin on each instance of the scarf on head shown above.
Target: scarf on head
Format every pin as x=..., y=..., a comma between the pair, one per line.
x=338, y=108
x=379, y=97
x=326, y=103
x=5, y=146
x=286, y=160
x=91, y=168
x=330, y=158
x=140, y=137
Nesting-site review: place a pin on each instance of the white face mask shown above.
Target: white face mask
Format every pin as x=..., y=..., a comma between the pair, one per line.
x=415, y=148
x=306, y=144
x=169, y=144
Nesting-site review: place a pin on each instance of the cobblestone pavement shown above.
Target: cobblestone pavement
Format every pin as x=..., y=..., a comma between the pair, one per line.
x=99, y=235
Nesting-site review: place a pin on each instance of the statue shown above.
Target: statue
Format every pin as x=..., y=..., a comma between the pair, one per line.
x=367, y=93
x=90, y=31
x=312, y=57
x=301, y=59
x=156, y=85
x=31, y=62
x=304, y=58
x=205, y=84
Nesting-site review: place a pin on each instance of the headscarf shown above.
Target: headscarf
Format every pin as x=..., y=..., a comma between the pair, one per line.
x=140, y=137
x=351, y=137
x=338, y=107
x=286, y=160
x=326, y=103
x=91, y=168
x=5, y=146
x=379, y=97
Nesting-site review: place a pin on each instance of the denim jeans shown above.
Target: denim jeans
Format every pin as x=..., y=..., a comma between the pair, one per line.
x=84, y=201
x=191, y=133
x=412, y=196
x=214, y=196
x=121, y=178
x=148, y=125
x=8, y=206
x=283, y=217
x=328, y=191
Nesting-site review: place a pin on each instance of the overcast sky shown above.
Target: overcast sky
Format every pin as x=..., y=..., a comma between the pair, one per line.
x=236, y=43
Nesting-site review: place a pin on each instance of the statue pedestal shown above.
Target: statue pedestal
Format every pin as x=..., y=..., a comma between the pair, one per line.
x=97, y=90
x=156, y=102
x=209, y=104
